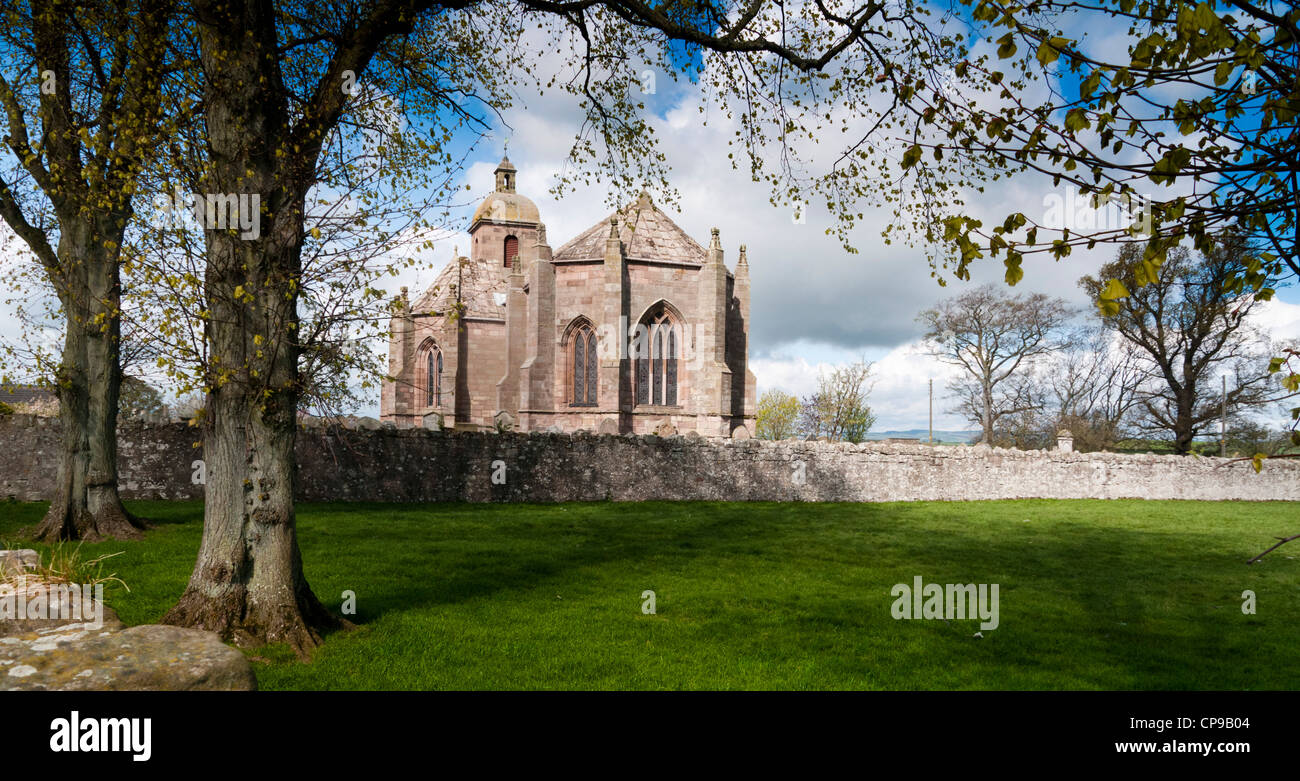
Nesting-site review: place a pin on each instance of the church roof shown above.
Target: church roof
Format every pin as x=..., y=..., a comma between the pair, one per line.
x=646, y=233
x=506, y=207
x=480, y=290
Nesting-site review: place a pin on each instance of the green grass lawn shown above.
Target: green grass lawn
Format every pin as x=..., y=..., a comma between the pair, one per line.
x=1093, y=594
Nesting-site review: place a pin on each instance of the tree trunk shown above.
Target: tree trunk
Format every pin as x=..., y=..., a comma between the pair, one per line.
x=248, y=583
x=1184, y=428
x=1183, y=435
x=988, y=415
x=86, y=504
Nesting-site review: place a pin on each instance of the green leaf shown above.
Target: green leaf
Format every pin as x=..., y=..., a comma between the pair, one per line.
x=1168, y=166
x=1090, y=84
x=1007, y=46
x=1114, y=290
x=1048, y=51
x=1014, y=272
x=1222, y=73
x=1107, y=308
x=1146, y=273
x=1206, y=18
x=1076, y=119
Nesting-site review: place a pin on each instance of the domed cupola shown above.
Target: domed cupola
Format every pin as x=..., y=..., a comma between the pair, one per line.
x=505, y=223
x=504, y=205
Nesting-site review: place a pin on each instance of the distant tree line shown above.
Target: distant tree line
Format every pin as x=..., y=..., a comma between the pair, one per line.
x=1143, y=371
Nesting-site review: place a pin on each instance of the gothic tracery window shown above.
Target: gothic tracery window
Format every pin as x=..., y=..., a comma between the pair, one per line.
x=657, y=361
x=432, y=376
x=585, y=375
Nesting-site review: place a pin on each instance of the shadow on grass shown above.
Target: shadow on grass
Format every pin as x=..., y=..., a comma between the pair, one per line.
x=447, y=563
x=455, y=558
x=1120, y=593
x=1110, y=594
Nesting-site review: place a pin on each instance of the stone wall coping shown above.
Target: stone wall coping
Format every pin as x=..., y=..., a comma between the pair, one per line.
x=326, y=427
x=801, y=446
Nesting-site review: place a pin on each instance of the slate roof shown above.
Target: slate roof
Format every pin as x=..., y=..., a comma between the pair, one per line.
x=646, y=233
x=479, y=285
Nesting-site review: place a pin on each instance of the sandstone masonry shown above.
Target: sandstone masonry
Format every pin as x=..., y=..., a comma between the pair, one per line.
x=630, y=327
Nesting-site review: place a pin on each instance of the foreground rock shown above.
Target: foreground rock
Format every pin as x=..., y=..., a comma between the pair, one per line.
x=17, y=562
x=78, y=657
x=56, y=602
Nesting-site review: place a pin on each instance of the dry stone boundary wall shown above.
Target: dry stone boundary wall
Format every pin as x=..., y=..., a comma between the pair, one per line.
x=370, y=462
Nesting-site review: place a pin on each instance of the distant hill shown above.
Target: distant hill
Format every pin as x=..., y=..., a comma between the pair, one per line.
x=923, y=434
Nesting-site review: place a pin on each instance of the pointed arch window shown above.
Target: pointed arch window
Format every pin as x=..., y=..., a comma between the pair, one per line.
x=432, y=376
x=657, y=363
x=583, y=361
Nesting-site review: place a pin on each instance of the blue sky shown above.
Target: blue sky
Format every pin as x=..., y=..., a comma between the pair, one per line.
x=813, y=304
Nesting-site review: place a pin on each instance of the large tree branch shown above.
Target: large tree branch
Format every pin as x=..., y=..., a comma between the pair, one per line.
x=19, y=140
x=35, y=237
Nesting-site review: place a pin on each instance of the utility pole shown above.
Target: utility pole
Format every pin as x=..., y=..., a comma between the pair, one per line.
x=931, y=410
x=1223, y=421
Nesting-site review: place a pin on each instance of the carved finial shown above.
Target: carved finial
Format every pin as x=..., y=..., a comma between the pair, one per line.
x=613, y=227
x=743, y=262
x=541, y=233
x=715, y=242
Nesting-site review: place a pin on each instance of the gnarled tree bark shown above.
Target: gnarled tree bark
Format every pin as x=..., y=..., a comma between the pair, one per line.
x=86, y=504
x=248, y=584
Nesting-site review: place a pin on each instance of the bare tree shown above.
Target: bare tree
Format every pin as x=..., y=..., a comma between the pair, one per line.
x=1092, y=387
x=995, y=338
x=1189, y=324
x=1026, y=424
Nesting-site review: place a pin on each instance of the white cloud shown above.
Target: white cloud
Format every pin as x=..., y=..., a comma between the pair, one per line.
x=1277, y=318
x=813, y=304
x=900, y=383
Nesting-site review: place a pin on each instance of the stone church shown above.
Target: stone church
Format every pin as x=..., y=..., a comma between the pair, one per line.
x=630, y=327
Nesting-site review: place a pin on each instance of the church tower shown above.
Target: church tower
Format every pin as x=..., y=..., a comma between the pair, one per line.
x=504, y=225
